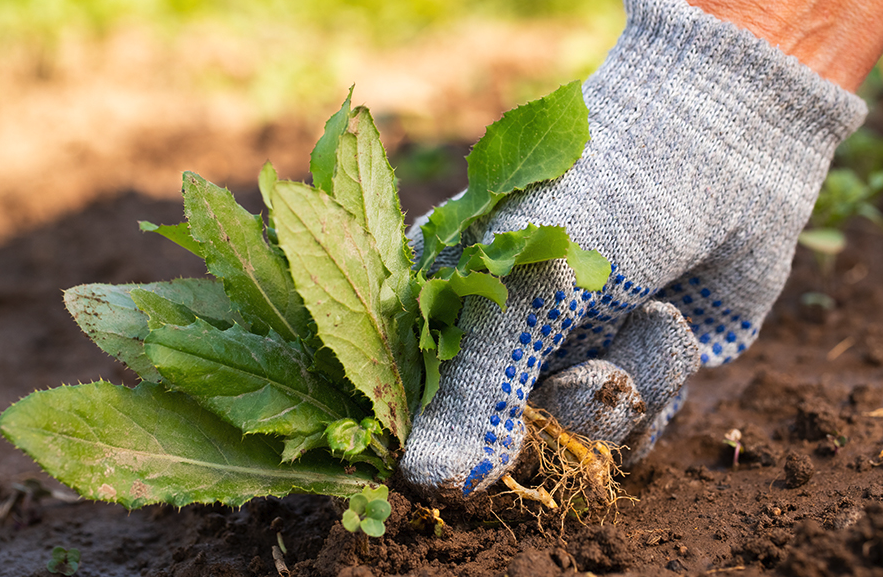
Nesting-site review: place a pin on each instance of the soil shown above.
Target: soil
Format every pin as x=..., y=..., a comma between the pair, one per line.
x=805, y=499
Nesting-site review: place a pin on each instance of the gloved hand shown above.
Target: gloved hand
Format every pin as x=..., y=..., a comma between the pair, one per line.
x=708, y=150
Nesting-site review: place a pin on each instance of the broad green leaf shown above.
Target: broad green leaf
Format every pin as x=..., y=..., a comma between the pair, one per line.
x=364, y=184
x=148, y=445
x=255, y=276
x=481, y=284
x=112, y=320
x=296, y=446
x=590, y=268
x=161, y=311
x=323, y=159
x=438, y=302
x=177, y=233
x=259, y=384
x=346, y=437
x=449, y=342
x=339, y=273
x=526, y=246
x=535, y=142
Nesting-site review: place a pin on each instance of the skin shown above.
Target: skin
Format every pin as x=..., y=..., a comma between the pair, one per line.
x=840, y=39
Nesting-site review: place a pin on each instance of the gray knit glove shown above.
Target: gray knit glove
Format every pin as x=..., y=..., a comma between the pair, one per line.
x=708, y=150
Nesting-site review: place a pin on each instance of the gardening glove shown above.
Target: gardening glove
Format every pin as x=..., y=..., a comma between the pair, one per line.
x=708, y=150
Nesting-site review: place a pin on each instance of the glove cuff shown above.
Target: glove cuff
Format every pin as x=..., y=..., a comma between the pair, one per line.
x=713, y=73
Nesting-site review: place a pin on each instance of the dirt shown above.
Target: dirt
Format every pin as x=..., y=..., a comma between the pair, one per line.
x=806, y=497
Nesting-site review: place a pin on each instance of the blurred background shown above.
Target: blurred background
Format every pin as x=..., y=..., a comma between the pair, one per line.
x=101, y=97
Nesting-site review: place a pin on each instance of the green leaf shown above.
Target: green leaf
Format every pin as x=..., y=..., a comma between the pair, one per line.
x=351, y=521
x=323, y=159
x=358, y=504
x=379, y=492
x=829, y=241
x=339, y=273
x=449, y=342
x=535, y=142
x=378, y=509
x=255, y=276
x=373, y=527
x=161, y=311
x=259, y=384
x=177, y=233
x=432, y=365
x=110, y=317
x=296, y=446
x=526, y=246
x=267, y=182
x=147, y=445
x=481, y=284
x=590, y=268
x=347, y=438
x=364, y=185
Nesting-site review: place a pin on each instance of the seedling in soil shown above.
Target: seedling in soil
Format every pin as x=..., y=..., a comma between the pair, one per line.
x=837, y=441
x=297, y=369
x=64, y=561
x=733, y=438
x=367, y=512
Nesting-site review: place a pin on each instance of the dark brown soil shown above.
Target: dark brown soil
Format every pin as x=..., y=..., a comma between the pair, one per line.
x=806, y=498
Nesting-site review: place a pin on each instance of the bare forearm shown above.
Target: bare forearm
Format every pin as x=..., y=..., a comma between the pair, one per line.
x=840, y=39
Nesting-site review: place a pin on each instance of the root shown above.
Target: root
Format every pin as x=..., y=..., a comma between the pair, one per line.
x=580, y=471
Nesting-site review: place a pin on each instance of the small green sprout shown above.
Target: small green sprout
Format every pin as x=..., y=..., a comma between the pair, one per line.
x=64, y=561
x=734, y=439
x=367, y=511
x=839, y=441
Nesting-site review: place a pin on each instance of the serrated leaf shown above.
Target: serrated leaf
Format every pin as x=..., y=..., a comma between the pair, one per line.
x=259, y=384
x=481, y=284
x=589, y=267
x=177, y=233
x=109, y=315
x=323, y=158
x=296, y=446
x=526, y=246
x=148, y=445
x=449, y=338
x=255, y=276
x=364, y=184
x=162, y=311
x=339, y=274
x=347, y=438
x=535, y=142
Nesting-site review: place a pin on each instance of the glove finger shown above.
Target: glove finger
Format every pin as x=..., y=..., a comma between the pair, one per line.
x=595, y=398
x=643, y=439
x=649, y=361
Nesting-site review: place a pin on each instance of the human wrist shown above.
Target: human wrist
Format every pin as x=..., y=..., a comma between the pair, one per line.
x=840, y=40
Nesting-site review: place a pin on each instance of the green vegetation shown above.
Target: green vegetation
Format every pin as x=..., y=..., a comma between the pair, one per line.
x=299, y=366
x=64, y=561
